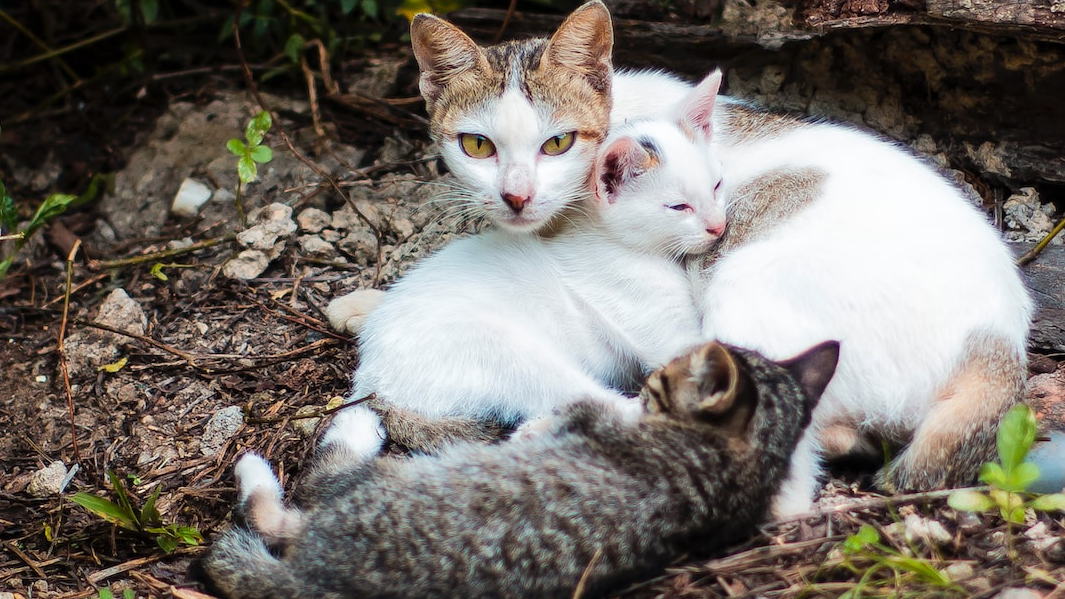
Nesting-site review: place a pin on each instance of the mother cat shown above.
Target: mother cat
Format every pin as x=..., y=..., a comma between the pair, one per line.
x=834, y=234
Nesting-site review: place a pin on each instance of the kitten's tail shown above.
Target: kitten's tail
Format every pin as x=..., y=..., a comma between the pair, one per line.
x=239, y=566
x=958, y=435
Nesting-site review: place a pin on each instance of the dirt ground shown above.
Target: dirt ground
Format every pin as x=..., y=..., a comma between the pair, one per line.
x=216, y=365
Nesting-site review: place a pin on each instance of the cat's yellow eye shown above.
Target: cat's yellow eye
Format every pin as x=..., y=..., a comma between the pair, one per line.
x=477, y=146
x=558, y=144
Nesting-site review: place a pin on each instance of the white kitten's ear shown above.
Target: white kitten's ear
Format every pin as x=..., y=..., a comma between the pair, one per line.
x=623, y=160
x=443, y=52
x=584, y=42
x=697, y=109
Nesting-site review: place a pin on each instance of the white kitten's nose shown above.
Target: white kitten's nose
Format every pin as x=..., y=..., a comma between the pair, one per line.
x=715, y=229
x=516, y=202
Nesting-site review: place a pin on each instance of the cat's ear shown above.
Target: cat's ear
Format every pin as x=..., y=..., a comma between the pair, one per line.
x=697, y=108
x=623, y=160
x=443, y=52
x=584, y=42
x=726, y=400
x=813, y=369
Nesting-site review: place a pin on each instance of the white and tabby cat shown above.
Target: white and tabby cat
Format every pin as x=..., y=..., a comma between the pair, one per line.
x=506, y=327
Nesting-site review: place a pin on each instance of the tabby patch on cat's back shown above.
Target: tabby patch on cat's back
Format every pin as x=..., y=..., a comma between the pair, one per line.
x=518, y=123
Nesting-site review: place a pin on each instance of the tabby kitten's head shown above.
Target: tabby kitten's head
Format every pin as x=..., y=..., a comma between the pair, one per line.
x=656, y=181
x=519, y=123
x=733, y=388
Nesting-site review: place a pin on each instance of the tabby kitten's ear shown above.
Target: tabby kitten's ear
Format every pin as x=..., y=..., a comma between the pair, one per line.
x=443, y=52
x=697, y=108
x=583, y=43
x=623, y=160
x=813, y=369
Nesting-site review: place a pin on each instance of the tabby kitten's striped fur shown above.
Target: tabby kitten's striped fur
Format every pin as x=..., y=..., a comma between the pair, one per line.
x=597, y=494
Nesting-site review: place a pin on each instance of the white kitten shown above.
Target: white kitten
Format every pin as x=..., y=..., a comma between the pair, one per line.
x=836, y=234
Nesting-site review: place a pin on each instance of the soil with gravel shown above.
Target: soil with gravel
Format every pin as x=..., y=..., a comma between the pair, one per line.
x=173, y=371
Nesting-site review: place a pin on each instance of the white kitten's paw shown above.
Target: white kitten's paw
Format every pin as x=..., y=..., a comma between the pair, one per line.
x=254, y=474
x=358, y=430
x=347, y=312
x=533, y=428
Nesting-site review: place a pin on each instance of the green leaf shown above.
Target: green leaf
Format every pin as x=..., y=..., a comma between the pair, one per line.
x=1052, y=502
x=294, y=47
x=187, y=535
x=1022, y=477
x=1016, y=434
x=970, y=501
x=105, y=593
x=369, y=7
x=246, y=169
x=346, y=6
x=51, y=207
x=128, y=594
x=124, y=501
x=106, y=509
x=868, y=534
x=257, y=128
x=166, y=543
x=8, y=212
x=150, y=516
x=157, y=272
x=992, y=474
x=237, y=147
x=262, y=154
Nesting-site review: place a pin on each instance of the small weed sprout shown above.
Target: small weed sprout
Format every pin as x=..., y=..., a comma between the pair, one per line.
x=146, y=520
x=864, y=554
x=250, y=155
x=1008, y=479
x=105, y=593
x=1011, y=476
x=51, y=207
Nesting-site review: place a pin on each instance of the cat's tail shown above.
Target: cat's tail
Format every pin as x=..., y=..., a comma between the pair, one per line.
x=347, y=312
x=958, y=434
x=239, y=566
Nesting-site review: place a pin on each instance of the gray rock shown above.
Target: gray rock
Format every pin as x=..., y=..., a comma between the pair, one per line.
x=246, y=265
x=220, y=428
x=314, y=245
x=313, y=220
x=190, y=196
x=47, y=481
x=86, y=350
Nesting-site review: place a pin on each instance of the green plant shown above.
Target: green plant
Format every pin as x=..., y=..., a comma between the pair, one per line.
x=251, y=154
x=146, y=520
x=864, y=554
x=1011, y=476
x=51, y=207
x=105, y=593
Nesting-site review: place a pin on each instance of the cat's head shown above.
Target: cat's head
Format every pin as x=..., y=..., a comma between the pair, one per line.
x=656, y=181
x=518, y=124
x=730, y=387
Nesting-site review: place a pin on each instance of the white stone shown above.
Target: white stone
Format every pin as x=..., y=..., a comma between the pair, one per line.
x=189, y=198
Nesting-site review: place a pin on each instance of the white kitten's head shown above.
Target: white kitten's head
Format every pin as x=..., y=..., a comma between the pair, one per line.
x=656, y=181
x=518, y=124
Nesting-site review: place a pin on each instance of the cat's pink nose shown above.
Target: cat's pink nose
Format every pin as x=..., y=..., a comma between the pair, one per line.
x=716, y=230
x=516, y=202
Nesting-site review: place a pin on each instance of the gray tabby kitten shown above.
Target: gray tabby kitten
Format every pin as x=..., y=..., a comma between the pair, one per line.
x=597, y=496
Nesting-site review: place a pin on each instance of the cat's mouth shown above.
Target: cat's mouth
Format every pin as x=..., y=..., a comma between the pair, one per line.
x=523, y=223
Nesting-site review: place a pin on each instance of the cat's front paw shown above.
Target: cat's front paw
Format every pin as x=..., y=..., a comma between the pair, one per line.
x=254, y=475
x=357, y=431
x=347, y=312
